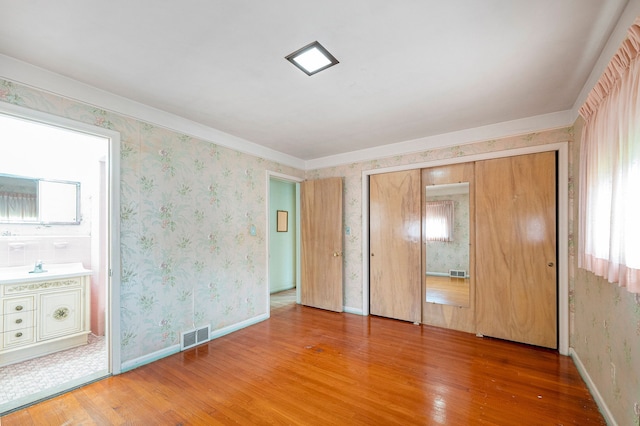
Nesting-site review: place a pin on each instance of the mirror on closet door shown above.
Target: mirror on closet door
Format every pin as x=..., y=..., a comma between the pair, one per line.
x=447, y=244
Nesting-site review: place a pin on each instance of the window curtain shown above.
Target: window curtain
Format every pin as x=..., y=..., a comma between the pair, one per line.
x=439, y=220
x=609, y=222
x=15, y=206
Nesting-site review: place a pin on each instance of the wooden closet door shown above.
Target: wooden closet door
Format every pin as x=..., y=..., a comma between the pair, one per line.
x=516, y=284
x=395, y=264
x=321, y=252
x=440, y=315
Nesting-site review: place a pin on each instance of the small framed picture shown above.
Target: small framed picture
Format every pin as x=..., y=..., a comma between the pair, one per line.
x=283, y=221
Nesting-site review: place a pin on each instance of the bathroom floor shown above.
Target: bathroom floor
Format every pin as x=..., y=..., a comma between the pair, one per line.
x=35, y=377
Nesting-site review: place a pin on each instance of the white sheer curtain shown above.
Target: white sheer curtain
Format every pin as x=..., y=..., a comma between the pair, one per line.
x=609, y=223
x=15, y=206
x=439, y=220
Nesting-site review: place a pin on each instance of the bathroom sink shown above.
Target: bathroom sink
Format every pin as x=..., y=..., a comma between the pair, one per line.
x=23, y=274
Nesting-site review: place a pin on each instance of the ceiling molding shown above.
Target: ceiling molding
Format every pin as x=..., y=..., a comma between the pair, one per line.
x=41, y=79
x=619, y=33
x=462, y=137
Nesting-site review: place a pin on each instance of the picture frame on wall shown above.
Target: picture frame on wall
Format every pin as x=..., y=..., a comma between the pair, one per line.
x=282, y=222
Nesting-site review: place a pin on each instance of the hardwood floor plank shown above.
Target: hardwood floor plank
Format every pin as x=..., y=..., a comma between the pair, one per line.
x=312, y=367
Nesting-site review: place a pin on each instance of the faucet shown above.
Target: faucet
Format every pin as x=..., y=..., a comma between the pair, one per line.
x=37, y=268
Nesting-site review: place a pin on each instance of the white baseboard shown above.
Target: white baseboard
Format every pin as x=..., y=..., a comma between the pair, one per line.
x=154, y=356
x=608, y=416
x=238, y=326
x=350, y=310
x=146, y=359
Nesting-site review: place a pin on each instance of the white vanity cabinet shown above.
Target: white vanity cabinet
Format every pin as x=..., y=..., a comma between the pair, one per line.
x=44, y=316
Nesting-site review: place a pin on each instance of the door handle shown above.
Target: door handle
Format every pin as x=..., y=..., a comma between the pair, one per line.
x=337, y=253
x=550, y=264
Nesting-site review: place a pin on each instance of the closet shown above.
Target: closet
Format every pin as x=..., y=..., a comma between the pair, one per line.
x=479, y=252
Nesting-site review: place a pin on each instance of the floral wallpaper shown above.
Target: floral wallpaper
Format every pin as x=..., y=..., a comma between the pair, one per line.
x=188, y=257
x=605, y=326
x=352, y=174
x=187, y=205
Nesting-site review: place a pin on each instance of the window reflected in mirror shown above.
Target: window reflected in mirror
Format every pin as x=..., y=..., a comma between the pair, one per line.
x=447, y=244
x=41, y=201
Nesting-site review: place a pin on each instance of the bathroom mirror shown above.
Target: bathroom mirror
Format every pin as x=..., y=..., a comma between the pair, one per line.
x=39, y=201
x=447, y=244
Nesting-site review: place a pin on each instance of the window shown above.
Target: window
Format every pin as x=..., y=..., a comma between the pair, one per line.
x=609, y=241
x=439, y=220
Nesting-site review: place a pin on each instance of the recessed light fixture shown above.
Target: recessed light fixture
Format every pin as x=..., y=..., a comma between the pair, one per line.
x=312, y=58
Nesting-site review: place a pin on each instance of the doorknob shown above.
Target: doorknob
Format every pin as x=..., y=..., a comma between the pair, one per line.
x=371, y=254
x=550, y=264
x=337, y=253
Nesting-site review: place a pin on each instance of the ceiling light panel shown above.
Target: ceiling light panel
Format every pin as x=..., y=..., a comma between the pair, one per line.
x=312, y=58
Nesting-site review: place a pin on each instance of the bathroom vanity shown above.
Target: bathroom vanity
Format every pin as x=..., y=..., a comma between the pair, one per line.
x=43, y=312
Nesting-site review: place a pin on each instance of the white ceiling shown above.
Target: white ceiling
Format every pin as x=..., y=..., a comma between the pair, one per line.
x=408, y=69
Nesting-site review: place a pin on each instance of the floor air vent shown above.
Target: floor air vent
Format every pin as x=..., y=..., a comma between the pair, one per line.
x=195, y=337
x=457, y=273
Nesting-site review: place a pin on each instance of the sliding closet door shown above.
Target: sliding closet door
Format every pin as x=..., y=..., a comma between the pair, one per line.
x=394, y=221
x=516, y=249
x=321, y=252
x=449, y=301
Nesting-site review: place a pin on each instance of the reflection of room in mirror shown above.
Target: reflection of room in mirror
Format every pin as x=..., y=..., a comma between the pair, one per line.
x=448, y=290
x=447, y=251
x=33, y=200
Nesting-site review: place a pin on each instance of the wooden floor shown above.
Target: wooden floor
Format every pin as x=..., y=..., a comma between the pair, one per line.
x=448, y=291
x=311, y=367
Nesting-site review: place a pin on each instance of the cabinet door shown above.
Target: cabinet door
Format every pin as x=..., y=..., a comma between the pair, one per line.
x=60, y=314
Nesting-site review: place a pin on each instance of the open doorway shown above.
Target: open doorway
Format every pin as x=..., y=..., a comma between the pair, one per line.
x=283, y=240
x=55, y=255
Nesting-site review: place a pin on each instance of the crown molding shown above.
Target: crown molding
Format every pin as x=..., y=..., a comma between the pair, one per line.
x=39, y=78
x=462, y=137
x=619, y=33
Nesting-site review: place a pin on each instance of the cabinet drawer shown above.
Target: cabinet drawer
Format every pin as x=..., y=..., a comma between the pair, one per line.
x=20, y=337
x=18, y=304
x=60, y=313
x=18, y=321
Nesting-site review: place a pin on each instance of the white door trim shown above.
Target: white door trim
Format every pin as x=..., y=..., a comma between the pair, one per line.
x=113, y=302
x=296, y=180
x=562, y=148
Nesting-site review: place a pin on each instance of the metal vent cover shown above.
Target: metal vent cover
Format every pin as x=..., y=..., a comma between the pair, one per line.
x=195, y=337
x=457, y=273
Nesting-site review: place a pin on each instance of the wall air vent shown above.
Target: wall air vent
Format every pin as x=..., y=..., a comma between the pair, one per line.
x=191, y=338
x=457, y=273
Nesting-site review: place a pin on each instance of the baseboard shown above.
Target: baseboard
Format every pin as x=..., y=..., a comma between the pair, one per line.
x=608, y=416
x=350, y=310
x=162, y=353
x=238, y=326
x=146, y=359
